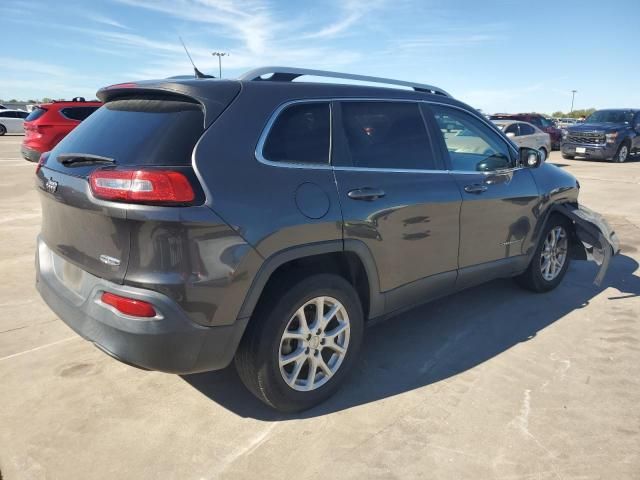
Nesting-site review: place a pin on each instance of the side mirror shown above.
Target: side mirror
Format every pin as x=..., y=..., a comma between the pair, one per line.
x=510, y=134
x=530, y=158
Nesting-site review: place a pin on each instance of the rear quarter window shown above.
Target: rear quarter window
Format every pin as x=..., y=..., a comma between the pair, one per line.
x=35, y=114
x=300, y=134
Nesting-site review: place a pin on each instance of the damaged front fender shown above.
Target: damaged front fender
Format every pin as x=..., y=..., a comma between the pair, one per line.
x=599, y=241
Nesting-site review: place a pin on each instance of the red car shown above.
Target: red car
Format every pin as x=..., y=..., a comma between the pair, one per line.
x=49, y=123
x=543, y=123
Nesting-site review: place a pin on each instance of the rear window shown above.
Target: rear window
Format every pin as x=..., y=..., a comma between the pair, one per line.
x=386, y=135
x=78, y=113
x=138, y=131
x=35, y=114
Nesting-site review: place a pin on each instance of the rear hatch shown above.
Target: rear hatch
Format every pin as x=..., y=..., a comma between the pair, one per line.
x=150, y=129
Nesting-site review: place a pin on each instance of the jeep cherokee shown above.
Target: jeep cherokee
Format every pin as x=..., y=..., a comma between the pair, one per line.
x=191, y=223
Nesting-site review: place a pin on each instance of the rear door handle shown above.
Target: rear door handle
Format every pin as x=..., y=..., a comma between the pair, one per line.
x=475, y=188
x=366, y=193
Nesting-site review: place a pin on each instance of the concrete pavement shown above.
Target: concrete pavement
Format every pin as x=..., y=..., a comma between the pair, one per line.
x=493, y=382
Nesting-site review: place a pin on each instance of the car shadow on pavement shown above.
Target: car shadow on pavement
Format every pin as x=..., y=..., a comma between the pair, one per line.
x=439, y=340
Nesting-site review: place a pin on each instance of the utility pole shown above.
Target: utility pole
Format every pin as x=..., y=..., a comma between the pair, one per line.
x=219, y=55
x=573, y=96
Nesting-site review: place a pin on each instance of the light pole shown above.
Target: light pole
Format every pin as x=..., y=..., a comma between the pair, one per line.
x=219, y=55
x=573, y=96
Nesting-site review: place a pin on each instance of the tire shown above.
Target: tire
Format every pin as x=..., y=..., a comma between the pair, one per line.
x=544, y=154
x=568, y=157
x=623, y=153
x=3, y=130
x=264, y=347
x=538, y=279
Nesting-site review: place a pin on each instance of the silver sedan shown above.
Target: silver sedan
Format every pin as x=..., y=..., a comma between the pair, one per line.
x=525, y=134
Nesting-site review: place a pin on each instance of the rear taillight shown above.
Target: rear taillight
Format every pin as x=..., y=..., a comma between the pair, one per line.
x=128, y=306
x=141, y=186
x=42, y=160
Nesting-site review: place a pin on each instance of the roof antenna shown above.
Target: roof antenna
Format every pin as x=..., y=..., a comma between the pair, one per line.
x=196, y=72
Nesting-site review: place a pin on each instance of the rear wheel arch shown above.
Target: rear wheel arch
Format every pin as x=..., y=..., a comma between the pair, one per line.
x=353, y=262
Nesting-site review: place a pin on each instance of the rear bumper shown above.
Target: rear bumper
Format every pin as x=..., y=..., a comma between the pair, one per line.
x=597, y=152
x=30, y=154
x=169, y=342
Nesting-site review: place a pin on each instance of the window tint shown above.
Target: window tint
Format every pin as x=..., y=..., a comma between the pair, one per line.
x=513, y=128
x=526, y=129
x=77, y=113
x=300, y=134
x=4, y=114
x=35, y=114
x=386, y=135
x=472, y=145
x=21, y=114
x=138, y=131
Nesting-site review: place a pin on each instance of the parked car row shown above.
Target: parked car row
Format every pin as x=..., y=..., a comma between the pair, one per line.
x=541, y=122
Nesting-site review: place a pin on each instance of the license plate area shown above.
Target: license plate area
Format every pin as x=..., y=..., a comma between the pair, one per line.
x=581, y=150
x=69, y=275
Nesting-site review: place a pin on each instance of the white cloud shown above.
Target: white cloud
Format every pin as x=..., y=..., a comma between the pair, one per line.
x=99, y=18
x=350, y=13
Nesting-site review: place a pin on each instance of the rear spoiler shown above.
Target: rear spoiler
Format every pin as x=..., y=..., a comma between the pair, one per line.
x=214, y=95
x=599, y=240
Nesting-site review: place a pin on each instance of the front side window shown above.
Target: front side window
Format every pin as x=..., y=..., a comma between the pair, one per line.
x=390, y=135
x=300, y=134
x=472, y=146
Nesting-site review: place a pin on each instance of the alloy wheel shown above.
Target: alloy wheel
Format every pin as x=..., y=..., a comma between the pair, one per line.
x=554, y=253
x=314, y=343
x=622, y=155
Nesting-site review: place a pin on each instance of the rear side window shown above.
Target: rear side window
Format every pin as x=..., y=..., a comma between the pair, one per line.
x=138, y=131
x=77, y=113
x=388, y=135
x=35, y=114
x=300, y=134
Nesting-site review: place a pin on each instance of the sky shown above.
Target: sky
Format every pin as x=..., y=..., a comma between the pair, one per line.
x=499, y=56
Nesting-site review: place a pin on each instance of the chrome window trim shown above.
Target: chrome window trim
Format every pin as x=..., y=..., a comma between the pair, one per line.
x=267, y=129
x=315, y=166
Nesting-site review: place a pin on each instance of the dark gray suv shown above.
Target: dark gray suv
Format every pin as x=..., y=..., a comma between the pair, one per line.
x=188, y=223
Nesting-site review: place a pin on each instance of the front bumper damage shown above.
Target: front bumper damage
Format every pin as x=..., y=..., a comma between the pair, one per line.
x=599, y=241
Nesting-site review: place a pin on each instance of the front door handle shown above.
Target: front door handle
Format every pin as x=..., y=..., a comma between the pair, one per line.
x=365, y=193
x=475, y=188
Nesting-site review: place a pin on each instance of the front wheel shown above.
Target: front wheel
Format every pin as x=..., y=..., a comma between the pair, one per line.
x=3, y=130
x=622, y=153
x=543, y=154
x=551, y=258
x=302, y=342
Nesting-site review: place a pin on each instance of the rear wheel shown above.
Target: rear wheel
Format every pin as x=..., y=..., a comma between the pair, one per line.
x=302, y=342
x=551, y=258
x=622, y=154
x=3, y=130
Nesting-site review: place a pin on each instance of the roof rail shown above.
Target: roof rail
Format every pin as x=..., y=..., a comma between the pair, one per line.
x=288, y=74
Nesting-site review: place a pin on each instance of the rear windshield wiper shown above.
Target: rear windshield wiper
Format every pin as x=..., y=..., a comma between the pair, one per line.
x=71, y=159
